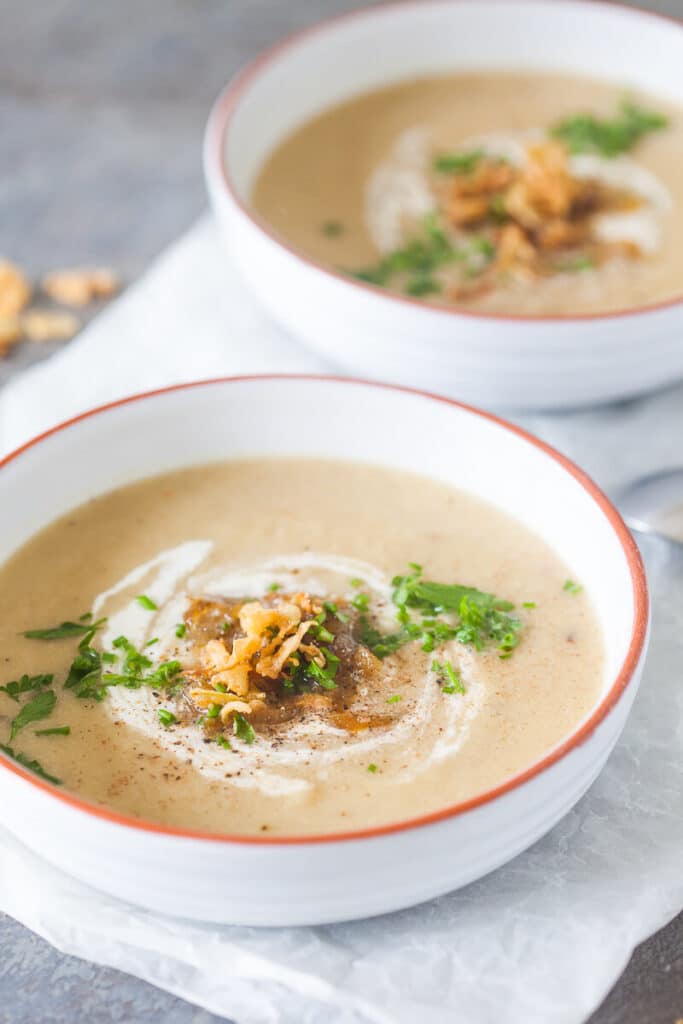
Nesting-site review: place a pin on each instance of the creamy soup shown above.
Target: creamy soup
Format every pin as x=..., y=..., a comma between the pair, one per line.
x=289, y=646
x=504, y=193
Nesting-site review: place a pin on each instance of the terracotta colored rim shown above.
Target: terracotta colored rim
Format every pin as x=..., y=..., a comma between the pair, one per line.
x=633, y=654
x=228, y=101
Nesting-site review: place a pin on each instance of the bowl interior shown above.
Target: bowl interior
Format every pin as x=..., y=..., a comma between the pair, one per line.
x=217, y=420
x=383, y=45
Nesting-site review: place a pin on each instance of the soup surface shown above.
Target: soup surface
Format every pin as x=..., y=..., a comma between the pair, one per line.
x=504, y=193
x=289, y=646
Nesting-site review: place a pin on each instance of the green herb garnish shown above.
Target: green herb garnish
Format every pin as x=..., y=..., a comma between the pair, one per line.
x=243, y=729
x=451, y=682
x=166, y=717
x=482, y=617
x=180, y=630
x=222, y=742
x=528, y=604
x=146, y=602
x=58, y=730
x=133, y=672
x=579, y=263
x=356, y=582
x=213, y=711
x=41, y=706
x=332, y=608
x=372, y=768
x=422, y=285
x=395, y=699
x=585, y=133
x=458, y=163
x=30, y=764
x=419, y=260
x=571, y=587
x=332, y=228
x=64, y=629
x=85, y=673
x=361, y=602
x=25, y=685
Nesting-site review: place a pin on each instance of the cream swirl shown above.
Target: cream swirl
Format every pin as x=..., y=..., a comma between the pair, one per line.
x=424, y=726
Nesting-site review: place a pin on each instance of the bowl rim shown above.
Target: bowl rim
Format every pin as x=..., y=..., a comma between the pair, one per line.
x=575, y=739
x=216, y=167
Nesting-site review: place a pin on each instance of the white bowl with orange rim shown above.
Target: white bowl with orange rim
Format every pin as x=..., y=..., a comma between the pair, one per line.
x=498, y=360
x=305, y=879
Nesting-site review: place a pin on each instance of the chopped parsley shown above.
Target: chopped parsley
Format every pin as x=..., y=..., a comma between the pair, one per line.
x=166, y=717
x=85, y=674
x=395, y=699
x=528, y=604
x=213, y=711
x=180, y=630
x=585, y=133
x=243, y=729
x=356, y=582
x=25, y=685
x=41, y=706
x=31, y=764
x=58, y=730
x=274, y=587
x=332, y=608
x=133, y=669
x=372, y=768
x=423, y=284
x=576, y=265
x=571, y=587
x=474, y=617
x=332, y=228
x=420, y=259
x=458, y=163
x=64, y=629
x=223, y=742
x=311, y=672
x=450, y=681
x=146, y=602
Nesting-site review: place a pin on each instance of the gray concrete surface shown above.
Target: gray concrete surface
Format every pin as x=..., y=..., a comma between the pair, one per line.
x=102, y=107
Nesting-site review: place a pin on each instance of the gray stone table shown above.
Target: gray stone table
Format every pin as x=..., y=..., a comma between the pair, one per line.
x=102, y=107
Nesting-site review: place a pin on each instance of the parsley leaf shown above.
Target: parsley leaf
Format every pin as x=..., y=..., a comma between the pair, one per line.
x=458, y=163
x=40, y=707
x=64, y=629
x=451, y=683
x=586, y=133
x=332, y=228
x=243, y=729
x=30, y=764
x=25, y=685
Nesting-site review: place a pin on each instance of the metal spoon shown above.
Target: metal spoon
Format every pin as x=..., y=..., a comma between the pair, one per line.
x=654, y=504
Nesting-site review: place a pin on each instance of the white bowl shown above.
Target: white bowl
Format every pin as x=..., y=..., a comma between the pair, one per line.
x=503, y=361
x=355, y=874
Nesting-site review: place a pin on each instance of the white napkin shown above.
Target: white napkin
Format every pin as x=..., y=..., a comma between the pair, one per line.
x=541, y=939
